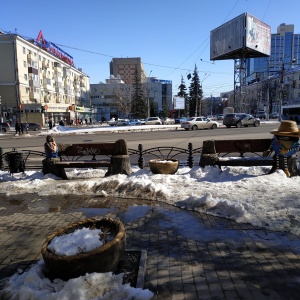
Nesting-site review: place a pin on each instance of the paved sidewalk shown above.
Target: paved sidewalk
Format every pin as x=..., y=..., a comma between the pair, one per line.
x=190, y=255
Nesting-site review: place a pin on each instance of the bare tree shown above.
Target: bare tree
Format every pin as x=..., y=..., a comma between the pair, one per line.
x=122, y=94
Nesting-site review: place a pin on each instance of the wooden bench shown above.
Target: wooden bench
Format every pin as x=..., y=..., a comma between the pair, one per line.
x=85, y=156
x=250, y=152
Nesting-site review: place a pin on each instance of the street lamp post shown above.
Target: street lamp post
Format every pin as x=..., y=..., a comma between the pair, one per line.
x=148, y=100
x=201, y=83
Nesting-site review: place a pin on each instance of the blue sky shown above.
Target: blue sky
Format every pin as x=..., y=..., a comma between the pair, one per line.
x=170, y=36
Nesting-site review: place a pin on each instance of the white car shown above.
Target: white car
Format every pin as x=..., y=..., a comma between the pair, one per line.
x=199, y=123
x=119, y=122
x=153, y=121
x=168, y=121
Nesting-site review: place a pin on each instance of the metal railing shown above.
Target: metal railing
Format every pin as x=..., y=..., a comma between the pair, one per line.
x=140, y=157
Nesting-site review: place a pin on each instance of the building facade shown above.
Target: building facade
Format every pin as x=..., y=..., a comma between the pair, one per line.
x=39, y=82
x=126, y=68
x=159, y=94
x=113, y=98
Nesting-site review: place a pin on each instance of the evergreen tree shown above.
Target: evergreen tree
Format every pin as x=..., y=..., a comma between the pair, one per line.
x=139, y=107
x=182, y=93
x=195, y=95
x=165, y=109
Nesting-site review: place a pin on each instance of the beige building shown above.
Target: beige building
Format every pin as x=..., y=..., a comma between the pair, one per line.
x=126, y=67
x=39, y=82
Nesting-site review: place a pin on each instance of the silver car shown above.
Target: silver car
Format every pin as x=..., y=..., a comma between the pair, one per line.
x=199, y=123
x=153, y=121
x=240, y=119
x=168, y=121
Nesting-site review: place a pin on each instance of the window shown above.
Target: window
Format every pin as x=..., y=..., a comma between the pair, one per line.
x=24, y=50
x=24, y=64
x=25, y=76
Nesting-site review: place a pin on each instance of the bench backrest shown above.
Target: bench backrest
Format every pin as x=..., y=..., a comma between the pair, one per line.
x=92, y=149
x=242, y=146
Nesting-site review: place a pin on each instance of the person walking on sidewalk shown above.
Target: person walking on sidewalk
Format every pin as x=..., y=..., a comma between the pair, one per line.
x=18, y=128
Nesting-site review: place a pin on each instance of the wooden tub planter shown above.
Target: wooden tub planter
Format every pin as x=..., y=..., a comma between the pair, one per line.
x=163, y=166
x=102, y=259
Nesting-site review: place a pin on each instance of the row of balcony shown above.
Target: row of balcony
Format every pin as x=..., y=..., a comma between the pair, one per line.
x=57, y=69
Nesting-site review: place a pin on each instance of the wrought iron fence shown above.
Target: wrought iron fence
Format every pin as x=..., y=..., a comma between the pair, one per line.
x=186, y=156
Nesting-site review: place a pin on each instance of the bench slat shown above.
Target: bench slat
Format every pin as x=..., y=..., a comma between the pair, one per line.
x=242, y=146
x=245, y=161
x=89, y=149
x=82, y=164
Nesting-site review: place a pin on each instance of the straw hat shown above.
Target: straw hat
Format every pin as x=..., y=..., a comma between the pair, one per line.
x=287, y=128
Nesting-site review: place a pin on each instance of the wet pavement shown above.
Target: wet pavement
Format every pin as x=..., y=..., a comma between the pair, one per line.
x=189, y=255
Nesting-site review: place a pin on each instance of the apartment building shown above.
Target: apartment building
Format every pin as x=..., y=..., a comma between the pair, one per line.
x=39, y=82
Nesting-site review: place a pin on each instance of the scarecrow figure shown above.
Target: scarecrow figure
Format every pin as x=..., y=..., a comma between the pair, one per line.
x=285, y=144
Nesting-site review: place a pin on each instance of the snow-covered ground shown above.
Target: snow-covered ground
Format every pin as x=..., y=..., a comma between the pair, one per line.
x=243, y=194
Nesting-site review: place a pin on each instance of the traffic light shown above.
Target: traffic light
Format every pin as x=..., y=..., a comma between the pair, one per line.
x=294, y=83
x=42, y=109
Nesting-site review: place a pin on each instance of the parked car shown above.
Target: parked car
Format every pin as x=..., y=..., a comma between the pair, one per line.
x=220, y=117
x=34, y=126
x=169, y=121
x=211, y=117
x=178, y=121
x=134, y=122
x=153, y=121
x=261, y=114
x=239, y=120
x=274, y=115
x=5, y=127
x=119, y=122
x=199, y=123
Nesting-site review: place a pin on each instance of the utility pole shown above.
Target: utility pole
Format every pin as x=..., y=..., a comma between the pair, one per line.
x=268, y=91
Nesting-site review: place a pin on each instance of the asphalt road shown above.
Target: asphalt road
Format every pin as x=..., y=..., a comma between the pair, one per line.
x=173, y=137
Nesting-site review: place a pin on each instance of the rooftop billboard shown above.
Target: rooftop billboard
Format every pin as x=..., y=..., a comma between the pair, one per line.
x=242, y=37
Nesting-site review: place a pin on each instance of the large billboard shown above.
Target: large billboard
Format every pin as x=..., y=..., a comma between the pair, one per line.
x=258, y=35
x=179, y=103
x=242, y=37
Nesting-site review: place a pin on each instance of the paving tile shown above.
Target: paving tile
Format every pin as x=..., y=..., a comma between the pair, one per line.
x=189, y=255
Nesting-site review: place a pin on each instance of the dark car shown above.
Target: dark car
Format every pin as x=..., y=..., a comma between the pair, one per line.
x=34, y=126
x=5, y=126
x=239, y=120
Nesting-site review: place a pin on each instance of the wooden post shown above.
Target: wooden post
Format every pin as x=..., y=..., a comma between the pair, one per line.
x=208, y=156
x=119, y=164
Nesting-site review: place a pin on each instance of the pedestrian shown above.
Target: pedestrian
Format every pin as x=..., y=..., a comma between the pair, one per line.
x=22, y=127
x=86, y=121
x=26, y=127
x=18, y=128
x=51, y=148
x=50, y=124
